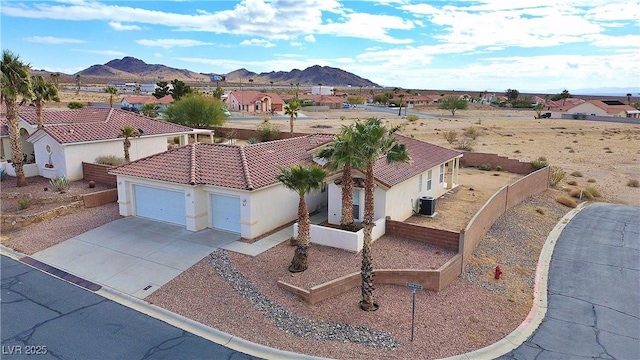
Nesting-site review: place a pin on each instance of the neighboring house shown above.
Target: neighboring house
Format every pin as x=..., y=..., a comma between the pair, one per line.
x=419, y=100
x=70, y=137
x=254, y=102
x=234, y=188
x=226, y=187
x=136, y=101
x=433, y=171
x=614, y=108
x=331, y=101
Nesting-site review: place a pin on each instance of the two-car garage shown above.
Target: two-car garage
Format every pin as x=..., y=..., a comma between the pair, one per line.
x=170, y=206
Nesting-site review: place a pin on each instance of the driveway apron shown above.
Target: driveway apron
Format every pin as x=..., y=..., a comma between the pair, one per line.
x=134, y=255
x=594, y=290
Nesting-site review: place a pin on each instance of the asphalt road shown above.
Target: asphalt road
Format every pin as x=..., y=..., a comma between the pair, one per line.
x=43, y=317
x=594, y=290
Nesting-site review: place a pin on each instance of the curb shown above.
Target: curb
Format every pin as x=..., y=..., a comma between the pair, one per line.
x=538, y=309
x=179, y=321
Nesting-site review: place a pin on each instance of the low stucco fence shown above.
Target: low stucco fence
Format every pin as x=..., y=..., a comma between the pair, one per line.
x=342, y=239
x=464, y=242
x=473, y=159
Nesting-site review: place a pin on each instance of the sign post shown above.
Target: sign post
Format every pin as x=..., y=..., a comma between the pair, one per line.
x=413, y=288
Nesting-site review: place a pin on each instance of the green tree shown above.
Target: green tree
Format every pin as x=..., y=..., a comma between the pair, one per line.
x=161, y=90
x=291, y=109
x=218, y=92
x=452, y=103
x=111, y=90
x=353, y=100
x=75, y=105
x=15, y=84
x=341, y=154
x=180, y=89
x=374, y=141
x=302, y=179
x=538, y=109
x=197, y=111
x=150, y=110
x=126, y=133
x=43, y=92
x=512, y=94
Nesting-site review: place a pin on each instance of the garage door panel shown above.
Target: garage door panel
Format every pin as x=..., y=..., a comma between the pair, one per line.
x=160, y=204
x=226, y=212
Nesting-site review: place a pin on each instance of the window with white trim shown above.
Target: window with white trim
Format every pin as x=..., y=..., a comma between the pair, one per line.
x=356, y=205
x=429, y=176
x=441, y=173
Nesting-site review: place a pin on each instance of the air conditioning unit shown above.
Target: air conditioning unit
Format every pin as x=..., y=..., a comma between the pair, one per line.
x=427, y=205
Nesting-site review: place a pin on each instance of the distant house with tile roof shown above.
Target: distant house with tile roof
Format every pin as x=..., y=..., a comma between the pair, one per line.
x=137, y=101
x=234, y=188
x=613, y=108
x=254, y=102
x=70, y=137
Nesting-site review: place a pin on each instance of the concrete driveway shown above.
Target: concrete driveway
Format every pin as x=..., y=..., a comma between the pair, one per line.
x=134, y=255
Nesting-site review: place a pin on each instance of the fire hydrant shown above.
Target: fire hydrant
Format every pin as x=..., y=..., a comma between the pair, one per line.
x=498, y=273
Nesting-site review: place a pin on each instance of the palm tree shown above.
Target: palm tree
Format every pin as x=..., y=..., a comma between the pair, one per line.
x=150, y=109
x=341, y=154
x=302, y=179
x=297, y=89
x=628, y=98
x=15, y=83
x=271, y=82
x=320, y=84
x=374, y=141
x=291, y=109
x=401, y=96
x=56, y=79
x=127, y=132
x=43, y=91
x=78, y=84
x=111, y=90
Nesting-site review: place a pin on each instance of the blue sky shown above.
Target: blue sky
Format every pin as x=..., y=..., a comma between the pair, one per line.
x=533, y=45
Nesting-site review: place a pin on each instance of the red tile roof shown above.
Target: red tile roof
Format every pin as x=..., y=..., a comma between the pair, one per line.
x=240, y=167
x=424, y=156
x=255, y=166
x=93, y=124
x=249, y=97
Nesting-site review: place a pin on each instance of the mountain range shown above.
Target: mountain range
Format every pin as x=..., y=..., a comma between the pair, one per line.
x=130, y=69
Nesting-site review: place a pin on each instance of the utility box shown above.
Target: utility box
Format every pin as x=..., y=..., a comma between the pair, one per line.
x=427, y=205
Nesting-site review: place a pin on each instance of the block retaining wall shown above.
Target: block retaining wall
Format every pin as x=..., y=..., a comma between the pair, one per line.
x=98, y=173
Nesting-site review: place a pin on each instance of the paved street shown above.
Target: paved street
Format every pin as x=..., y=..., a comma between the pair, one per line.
x=52, y=319
x=594, y=290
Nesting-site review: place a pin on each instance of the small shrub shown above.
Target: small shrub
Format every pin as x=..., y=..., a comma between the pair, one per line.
x=541, y=211
x=539, y=163
x=61, y=183
x=471, y=132
x=253, y=140
x=451, y=136
x=343, y=118
x=591, y=192
x=412, y=117
x=556, y=174
x=591, y=180
x=109, y=160
x=268, y=131
x=577, y=174
x=75, y=105
x=485, y=167
x=633, y=183
x=567, y=201
x=576, y=193
x=516, y=152
x=23, y=202
x=572, y=182
x=466, y=144
x=498, y=168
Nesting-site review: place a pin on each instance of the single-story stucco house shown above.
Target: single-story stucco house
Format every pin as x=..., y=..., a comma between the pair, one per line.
x=136, y=101
x=70, y=137
x=254, y=101
x=234, y=188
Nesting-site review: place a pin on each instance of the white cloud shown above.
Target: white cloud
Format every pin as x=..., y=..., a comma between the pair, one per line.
x=257, y=42
x=170, y=43
x=310, y=38
x=158, y=55
x=52, y=40
x=102, y=52
x=120, y=27
x=368, y=26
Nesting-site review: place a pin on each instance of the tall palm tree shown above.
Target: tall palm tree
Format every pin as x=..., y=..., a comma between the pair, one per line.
x=297, y=89
x=374, y=141
x=341, y=154
x=127, y=132
x=111, y=90
x=15, y=83
x=291, y=109
x=628, y=98
x=55, y=77
x=43, y=91
x=150, y=109
x=302, y=179
x=78, y=84
x=401, y=96
x=271, y=82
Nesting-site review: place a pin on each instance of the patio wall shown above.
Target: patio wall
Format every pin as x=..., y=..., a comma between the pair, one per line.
x=434, y=280
x=473, y=159
x=30, y=170
x=443, y=238
x=342, y=239
x=100, y=198
x=98, y=173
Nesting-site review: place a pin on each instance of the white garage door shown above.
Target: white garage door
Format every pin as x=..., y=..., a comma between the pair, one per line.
x=226, y=212
x=160, y=204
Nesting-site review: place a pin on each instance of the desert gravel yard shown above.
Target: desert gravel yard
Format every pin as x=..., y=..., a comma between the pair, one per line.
x=238, y=294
